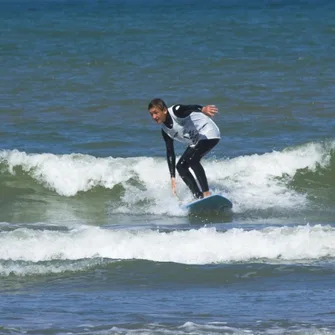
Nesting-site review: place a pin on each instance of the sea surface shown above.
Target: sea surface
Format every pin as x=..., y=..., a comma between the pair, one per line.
x=92, y=240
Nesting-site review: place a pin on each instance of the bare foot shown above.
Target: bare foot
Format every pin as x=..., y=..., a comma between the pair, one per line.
x=207, y=194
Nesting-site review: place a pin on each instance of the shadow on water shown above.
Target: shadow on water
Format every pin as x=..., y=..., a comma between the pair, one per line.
x=225, y=216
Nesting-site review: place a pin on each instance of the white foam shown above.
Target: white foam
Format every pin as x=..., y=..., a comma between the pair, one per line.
x=202, y=246
x=70, y=174
x=251, y=182
x=32, y=268
x=261, y=181
x=214, y=328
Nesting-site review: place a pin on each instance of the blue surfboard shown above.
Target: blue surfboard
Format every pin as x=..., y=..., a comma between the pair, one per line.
x=212, y=204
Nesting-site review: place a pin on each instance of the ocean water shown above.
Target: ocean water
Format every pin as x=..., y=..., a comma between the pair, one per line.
x=92, y=241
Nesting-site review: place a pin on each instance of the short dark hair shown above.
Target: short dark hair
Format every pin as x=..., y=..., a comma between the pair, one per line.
x=157, y=102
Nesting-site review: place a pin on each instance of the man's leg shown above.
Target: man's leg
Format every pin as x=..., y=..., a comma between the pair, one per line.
x=191, y=159
x=183, y=166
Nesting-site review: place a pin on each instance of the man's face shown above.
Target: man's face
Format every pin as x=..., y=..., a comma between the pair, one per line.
x=157, y=114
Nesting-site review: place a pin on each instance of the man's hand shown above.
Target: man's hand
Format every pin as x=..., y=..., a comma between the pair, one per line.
x=174, y=187
x=210, y=110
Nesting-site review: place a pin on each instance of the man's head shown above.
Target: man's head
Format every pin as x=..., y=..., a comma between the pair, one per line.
x=158, y=110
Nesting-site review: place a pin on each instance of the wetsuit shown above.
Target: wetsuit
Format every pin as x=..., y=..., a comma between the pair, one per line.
x=187, y=124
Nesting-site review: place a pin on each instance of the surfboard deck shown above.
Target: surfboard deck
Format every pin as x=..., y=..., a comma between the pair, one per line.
x=212, y=204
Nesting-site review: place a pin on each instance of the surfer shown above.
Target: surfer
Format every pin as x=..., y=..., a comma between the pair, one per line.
x=192, y=125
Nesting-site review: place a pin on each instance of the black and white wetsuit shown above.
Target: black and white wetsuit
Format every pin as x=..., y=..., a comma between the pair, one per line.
x=187, y=124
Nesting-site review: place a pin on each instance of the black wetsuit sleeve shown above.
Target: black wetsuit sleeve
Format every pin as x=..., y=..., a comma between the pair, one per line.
x=185, y=110
x=170, y=154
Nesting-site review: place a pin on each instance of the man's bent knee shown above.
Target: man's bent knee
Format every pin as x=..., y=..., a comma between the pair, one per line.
x=182, y=168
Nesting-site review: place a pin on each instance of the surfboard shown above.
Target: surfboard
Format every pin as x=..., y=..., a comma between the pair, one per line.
x=212, y=204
